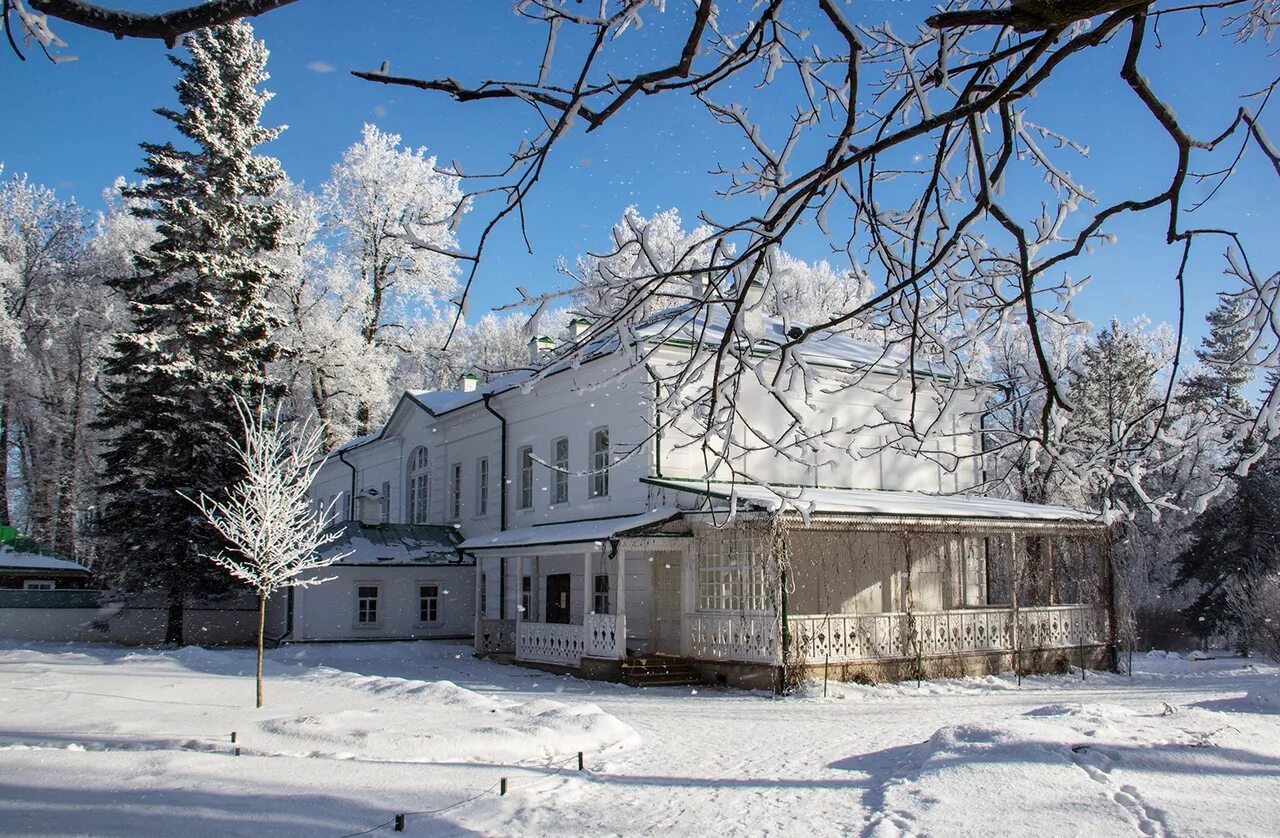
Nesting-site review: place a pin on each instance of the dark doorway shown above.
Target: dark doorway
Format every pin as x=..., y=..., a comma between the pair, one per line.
x=558, y=598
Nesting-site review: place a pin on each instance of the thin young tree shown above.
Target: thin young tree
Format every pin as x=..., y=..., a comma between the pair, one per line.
x=274, y=532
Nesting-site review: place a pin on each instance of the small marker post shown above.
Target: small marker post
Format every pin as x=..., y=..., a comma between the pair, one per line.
x=399, y=825
x=502, y=786
x=233, y=742
x=579, y=760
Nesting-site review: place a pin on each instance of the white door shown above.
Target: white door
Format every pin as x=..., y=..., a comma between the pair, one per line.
x=668, y=603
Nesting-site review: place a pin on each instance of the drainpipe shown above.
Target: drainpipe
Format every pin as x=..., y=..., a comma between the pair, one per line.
x=657, y=421
x=502, y=505
x=351, y=501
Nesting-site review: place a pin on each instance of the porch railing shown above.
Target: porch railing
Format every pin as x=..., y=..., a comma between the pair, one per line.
x=606, y=635
x=496, y=636
x=839, y=638
x=550, y=643
x=736, y=637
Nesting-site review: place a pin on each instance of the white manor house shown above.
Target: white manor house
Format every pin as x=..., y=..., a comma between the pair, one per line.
x=561, y=519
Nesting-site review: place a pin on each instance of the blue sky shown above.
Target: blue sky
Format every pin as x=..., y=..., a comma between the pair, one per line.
x=77, y=126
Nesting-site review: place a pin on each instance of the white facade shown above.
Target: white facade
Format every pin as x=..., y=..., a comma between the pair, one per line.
x=560, y=485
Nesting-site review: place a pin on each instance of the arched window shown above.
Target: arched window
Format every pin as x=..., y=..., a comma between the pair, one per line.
x=418, y=494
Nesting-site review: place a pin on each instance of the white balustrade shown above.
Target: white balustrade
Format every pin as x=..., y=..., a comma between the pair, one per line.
x=550, y=643
x=838, y=638
x=496, y=636
x=735, y=637
x=606, y=635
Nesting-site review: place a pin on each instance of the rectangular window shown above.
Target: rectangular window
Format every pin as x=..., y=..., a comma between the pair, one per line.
x=526, y=597
x=600, y=602
x=482, y=487
x=600, y=463
x=731, y=574
x=366, y=605
x=484, y=594
x=429, y=603
x=37, y=585
x=386, y=503
x=560, y=476
x=455, y=491
x=525, y=458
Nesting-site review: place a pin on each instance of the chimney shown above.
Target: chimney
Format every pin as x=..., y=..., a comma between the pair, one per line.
x=698, y=284
x=539, y=348
x=753, y=324
x=467, y=382
x=369, y=508
x=578, y=327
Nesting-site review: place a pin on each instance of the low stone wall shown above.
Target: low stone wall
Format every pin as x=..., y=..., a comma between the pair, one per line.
x=82, y=617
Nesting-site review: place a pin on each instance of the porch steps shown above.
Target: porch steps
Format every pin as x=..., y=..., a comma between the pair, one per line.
x=659, y=672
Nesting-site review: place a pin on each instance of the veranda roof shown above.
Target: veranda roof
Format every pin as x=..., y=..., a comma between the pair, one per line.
x=14, y=560
x=416, y=544
x=875, y=503
x=575, y=532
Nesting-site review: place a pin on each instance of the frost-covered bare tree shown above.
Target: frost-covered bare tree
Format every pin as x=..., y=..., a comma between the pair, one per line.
x=274, y=531
x=50, y=327
x=927, y=151
x=393, y=213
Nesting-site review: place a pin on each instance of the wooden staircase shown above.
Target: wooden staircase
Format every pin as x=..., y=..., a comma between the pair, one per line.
x=659, y=671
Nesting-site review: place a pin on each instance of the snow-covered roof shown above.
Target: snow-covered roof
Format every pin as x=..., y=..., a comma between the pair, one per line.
x=707, y=325
x=870, y=502
x=686, y=324
x=379, y=544
x=443, y=401
x=575, y=532
x=14, y=560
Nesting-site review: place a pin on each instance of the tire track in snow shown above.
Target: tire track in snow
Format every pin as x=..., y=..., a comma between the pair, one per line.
x=1098, y=762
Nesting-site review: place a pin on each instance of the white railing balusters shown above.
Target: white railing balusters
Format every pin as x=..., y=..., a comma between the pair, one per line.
x=860, y=637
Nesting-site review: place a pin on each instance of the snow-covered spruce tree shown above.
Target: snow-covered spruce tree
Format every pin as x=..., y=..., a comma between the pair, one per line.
x=273, y=530
x=1112, y=432
x=201, y=324
x=1234, y=554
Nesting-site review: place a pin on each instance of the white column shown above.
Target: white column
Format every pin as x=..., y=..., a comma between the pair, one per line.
x=479, y=571
x=620, y=584
x=520, y=615
x=586, y=585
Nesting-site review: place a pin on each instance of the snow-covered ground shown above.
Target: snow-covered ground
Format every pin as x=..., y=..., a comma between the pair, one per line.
x=109, y=741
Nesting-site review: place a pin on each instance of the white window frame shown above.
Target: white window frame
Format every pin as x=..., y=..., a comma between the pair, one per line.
x=38, y=585
x=600, y=594
x=524, y=484
x=482, y=487
x=455, y=491
x=437, y=598
x=361, y=610
x=560, y=472
x=598, y=474
x=730, y=578
x=418, y=494
x=385, y=517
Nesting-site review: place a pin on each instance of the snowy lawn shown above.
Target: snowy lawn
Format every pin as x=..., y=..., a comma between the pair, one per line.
x=109, y=741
